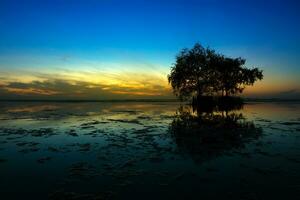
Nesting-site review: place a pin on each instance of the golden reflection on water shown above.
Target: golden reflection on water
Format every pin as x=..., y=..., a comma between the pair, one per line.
x=32, y=108
x=271, y=111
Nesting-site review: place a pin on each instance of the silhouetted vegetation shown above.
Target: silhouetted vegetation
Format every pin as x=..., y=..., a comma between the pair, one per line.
x=203, y=72
x=211, y=103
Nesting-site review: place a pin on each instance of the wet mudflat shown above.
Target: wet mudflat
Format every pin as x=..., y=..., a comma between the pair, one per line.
x=132, y=150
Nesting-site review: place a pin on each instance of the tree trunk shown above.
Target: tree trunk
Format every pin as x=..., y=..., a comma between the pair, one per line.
x=199, y=95
x=226, y=93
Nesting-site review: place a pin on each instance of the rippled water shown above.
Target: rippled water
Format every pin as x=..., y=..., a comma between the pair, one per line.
x=127, y=151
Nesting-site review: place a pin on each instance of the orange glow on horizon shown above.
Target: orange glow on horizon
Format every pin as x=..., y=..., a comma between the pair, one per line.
x=88, y=84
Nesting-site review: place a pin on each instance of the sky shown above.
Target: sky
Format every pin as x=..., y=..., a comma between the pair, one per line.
x=109, y=49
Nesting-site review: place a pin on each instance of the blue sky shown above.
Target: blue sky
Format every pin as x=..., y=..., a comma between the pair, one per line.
x=50, y=41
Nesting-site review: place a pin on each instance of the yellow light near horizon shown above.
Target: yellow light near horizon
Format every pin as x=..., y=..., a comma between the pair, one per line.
x=32, y=91
x=128, y=83
x=270, y=86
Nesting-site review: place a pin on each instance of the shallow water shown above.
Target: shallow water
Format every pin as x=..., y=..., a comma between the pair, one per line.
x=126, y=151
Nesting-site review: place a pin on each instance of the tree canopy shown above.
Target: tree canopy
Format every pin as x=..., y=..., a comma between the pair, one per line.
x=201, y=71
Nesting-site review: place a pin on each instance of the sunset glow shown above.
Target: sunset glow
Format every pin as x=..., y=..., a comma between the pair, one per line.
x=103, y=57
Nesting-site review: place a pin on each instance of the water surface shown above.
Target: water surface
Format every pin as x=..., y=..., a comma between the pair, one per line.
x=129, y=150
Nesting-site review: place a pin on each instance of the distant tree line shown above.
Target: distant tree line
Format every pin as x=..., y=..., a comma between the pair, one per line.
x=201, y=72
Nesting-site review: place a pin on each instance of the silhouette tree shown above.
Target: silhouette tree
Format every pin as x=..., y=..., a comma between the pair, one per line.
x=201, y=71
x=233, y=77
x=191, y=75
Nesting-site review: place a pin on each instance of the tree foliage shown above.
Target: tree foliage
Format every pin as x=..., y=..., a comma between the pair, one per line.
x=201, y=71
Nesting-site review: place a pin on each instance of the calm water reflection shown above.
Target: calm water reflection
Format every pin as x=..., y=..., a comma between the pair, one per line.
x=148, y=150
x=211, y=132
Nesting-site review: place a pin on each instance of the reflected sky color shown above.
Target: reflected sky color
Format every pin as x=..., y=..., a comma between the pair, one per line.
x=124, y=49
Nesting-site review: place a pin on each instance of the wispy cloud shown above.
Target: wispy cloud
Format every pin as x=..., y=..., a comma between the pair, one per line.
x=63, y=89
x=292, y=93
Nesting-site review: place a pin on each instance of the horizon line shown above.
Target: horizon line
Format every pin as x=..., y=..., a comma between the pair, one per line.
x=248, y=99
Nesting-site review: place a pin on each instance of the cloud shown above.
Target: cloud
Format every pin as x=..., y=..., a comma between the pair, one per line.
x=85, y=81
x=65, y=89
x=292, y=93
x=280, y=93
x=65, y=58
x=289, y=92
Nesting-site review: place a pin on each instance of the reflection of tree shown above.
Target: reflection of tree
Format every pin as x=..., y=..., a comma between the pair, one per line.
x=210, y=133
